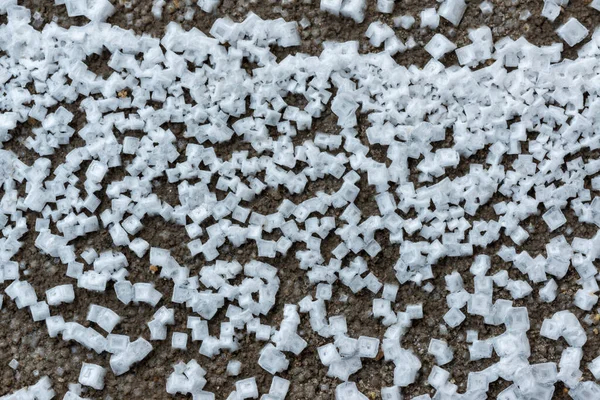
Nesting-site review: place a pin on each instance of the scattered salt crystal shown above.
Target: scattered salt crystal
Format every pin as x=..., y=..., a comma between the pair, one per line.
x=179, y=340
x=572, y=32
x=551, y=10
x=331, y=6
x=378, y=32
x=246, y=389
x=404, y=21
x=454, y=317
x=452, y=10
x=234, y=367
x=92, y=375
x=486, y=7
x=439, y=45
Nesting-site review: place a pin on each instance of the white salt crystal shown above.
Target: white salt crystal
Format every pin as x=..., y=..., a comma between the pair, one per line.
x=572, y=32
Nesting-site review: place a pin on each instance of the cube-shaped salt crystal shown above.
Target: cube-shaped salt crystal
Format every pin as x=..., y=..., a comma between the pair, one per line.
x=378, y=32
x=452, y=11
x=272, y=360
x=572, y=32
x=246, y=388
x=440, y=350
x=385, y=6
x=354, y=9
x=500, y=278
x=132, y=225
x=89, y=255
x=390, y=291
x=551, y=329
x=55, y=325
x=479, y=304
x=324, y=291
x=179, y=340
x=454, y=282
x=548, y=292
x=74, y=269
x=594, y=367
x=429, y=18
x=480, y=349
x=92, y=375
x=585, y=299
x=39, y=311
x=346, y=346
x=117, y=343
x=338, y=325
x=130, y=144
x=454, y=317
x=477, y=382
x=472, y=336
x=145, y=292
x=139, y=246
x=331, y=6
x=279, y=387
x=367, y=347
x=554, y=218
x=438, y=377
x=158, y=331
x=328, y=354
x=404, y=21
x=415, y=311
x=60, y=294
x=517, y=319
x=545, y=373
x=391, y=393
x=550, y=10
x=234, y=367
x=486, y=7
x=263, y=332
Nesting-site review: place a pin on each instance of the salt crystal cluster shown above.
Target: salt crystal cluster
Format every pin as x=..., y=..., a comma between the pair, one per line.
x=526, y=115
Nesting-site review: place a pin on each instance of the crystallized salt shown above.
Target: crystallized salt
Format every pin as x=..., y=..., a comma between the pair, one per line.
x=438, y=46
x=572, y=32
x=486, y=7
x=92, y=375
x=426, y=211
x=452, y=10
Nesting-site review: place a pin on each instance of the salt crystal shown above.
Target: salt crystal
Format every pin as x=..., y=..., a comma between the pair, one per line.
x=179, y=340
x=391, y=393
x=246, y=389
x=385, y=6
x=440, y=350
x=439, y=45
x=234, y=367
x=331, y=6
x=452, y=10
x=367, y=347
x=551, y=10
x=486, y=7
x=404, y=21
x=429, y=18
x=549, y=291
x=572, y=32
x=279, y=387
x=454, y=317
x=60, y=294
x=378, y=32
x=273, y=360
x=92, y=375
